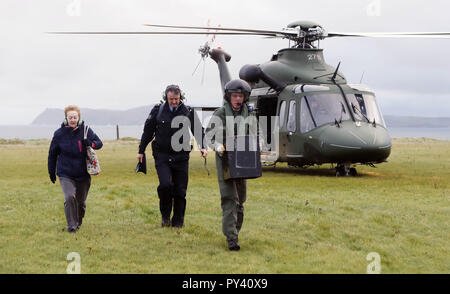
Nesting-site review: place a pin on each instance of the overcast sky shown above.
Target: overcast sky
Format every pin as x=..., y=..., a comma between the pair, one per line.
x=38, y=70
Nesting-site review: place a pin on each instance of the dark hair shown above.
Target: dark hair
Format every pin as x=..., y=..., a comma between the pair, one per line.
x=173, y=88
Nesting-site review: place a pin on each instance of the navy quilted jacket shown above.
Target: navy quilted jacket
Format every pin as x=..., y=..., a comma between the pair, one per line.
x=67, y=153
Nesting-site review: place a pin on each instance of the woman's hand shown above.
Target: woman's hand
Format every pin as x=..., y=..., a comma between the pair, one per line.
x=87, y=142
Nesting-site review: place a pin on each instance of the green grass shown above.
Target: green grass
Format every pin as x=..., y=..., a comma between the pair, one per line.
x=296, y=221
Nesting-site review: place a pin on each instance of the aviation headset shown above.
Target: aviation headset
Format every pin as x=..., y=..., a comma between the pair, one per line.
x=175, y=89
x=65, y=122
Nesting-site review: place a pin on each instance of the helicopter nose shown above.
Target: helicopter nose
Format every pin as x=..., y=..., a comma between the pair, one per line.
x=355, y=143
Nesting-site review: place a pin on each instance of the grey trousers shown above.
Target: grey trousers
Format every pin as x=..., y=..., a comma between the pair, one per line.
x=75, y=194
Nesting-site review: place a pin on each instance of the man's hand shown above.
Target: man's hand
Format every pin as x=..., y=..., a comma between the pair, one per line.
x=220, y=149
x=52, y=178
x=140, y=157
x=203, y=153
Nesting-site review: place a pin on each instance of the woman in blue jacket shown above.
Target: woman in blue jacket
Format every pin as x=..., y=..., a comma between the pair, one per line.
x=67, y=159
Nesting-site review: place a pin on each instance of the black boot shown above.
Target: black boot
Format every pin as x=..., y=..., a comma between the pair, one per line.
x=179, y=208
x=165, y=222
x=165, y=207
x=233, y=245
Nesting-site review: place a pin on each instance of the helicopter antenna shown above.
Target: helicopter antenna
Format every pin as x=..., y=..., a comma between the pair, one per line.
x=362, y=76
x=335, y=73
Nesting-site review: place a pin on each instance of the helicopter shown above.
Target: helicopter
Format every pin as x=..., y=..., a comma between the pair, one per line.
x=321, y=118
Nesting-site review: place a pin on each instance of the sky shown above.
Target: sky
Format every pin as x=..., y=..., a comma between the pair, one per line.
x=39, y=70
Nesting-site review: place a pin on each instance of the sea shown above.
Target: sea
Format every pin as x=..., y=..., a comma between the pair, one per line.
x=27, y=132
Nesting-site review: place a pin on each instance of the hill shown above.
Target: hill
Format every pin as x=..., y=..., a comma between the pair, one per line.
x=134, y=116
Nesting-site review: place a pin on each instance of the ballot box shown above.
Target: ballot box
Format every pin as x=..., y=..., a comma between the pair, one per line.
x=243, y=158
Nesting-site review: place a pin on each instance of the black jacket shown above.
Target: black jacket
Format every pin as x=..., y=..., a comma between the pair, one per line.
x=158, y=126
x=67, y=152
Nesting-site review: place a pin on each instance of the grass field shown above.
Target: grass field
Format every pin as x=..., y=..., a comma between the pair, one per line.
x=296, y=221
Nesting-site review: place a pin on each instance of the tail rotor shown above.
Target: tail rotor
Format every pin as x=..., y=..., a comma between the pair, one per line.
x=204, y=51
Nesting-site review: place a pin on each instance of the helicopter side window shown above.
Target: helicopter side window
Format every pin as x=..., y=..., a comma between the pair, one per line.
x=291, y=123
x=306, y=121
x=365, y=108
x=282, y=113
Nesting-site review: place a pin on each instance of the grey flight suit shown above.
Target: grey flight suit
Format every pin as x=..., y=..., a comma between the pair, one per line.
x=233, y=192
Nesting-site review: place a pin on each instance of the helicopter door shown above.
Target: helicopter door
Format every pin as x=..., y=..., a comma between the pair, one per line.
x=288, y=130
x=293, y=139
x=282, y=114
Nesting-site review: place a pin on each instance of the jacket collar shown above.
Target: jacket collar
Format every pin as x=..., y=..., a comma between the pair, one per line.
x=176, y=109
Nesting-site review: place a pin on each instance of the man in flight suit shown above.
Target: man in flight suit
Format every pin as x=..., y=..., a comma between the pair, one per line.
x=233, y=192
x=171, y=151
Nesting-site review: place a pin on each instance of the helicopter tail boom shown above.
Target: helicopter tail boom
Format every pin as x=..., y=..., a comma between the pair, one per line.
x=221, y=58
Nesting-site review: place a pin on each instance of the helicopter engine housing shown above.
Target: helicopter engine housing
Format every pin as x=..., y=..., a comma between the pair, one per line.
x=253, y=74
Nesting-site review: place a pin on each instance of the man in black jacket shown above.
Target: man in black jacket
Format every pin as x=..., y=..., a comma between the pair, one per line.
x=169, y=125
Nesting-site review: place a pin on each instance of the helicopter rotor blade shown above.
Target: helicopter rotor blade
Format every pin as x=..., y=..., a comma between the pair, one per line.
x=431, y=35
x=330, y=34
x=218, y=28
x=161, y=33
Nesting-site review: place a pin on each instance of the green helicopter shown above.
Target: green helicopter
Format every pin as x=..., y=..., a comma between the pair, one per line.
x=321, y=118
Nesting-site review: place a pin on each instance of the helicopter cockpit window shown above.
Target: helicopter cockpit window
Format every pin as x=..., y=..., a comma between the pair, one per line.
x=306, y=122
x=291, y=123
x=365, y=108
x=282, y=113
x=322, y=109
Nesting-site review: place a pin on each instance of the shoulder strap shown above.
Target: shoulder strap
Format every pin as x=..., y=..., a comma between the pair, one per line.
x=86, y=130
x=160, y=110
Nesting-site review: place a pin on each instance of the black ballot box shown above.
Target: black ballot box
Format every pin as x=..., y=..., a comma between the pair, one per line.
x=243, y=158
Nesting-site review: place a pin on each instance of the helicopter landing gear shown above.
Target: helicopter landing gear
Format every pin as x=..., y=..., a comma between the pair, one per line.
x=344, y=170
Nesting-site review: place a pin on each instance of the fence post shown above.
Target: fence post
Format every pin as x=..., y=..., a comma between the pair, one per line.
x=117, y=132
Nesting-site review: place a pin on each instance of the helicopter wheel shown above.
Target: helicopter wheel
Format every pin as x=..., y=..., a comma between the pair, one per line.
x=340, y=171
x=345, y=171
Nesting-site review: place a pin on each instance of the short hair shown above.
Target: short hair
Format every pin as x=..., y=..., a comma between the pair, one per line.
x=175, y=89
x=72, y=108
